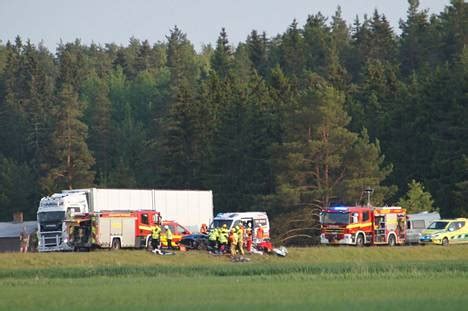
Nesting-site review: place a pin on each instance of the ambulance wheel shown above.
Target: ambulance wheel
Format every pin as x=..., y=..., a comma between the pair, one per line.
x=391, y=240
x=360, y=240
x=115, y=244
x=445, y=242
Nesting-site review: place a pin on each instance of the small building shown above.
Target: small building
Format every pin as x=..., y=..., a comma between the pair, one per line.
x=10, y=233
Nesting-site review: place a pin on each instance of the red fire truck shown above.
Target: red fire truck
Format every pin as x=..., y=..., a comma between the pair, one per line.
x=363, y=225
x=113, y=229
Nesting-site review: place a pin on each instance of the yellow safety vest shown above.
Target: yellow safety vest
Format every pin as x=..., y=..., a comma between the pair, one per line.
x=213, y=235
x=222, y=236
x=169, y=234
x=156, y=232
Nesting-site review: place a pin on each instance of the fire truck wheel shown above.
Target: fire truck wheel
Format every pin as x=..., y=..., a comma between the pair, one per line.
x=391, y=240
x=445, y=242
x=360, y=240
x=116, y=244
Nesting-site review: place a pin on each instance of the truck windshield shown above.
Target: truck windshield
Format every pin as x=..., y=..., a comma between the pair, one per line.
x=218, y=223
x=335, y=218
x=50, y=216
x=438, y=225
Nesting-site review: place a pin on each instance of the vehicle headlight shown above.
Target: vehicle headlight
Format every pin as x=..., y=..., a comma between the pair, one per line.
x=65, y=240
x=435, y=236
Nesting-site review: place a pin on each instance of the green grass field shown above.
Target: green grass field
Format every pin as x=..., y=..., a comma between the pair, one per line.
x=338, y=278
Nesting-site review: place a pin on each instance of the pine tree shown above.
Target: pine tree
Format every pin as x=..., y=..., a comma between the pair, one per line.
x=320, y=161
x=316, y=43
x=258, y=51
x=383, y=46
x=128, y=150
x=127, y=58
x=73, y=67
x=453, y=30
x=360, y=44
x=181, y=63
x=375, y=98
x=221, y=61
x=143, y=95
x=374, y=40
x=12, y=110
x=340, y=33
x=142, y=60
x=178, y=143
x=241, y=169
x=292, y=58
x=414, y=42
x=367, y=168
x=335, y=72
x=41, y=98
x=98, y=116
x=242, y=67
x=73, y=161
x=175, y=146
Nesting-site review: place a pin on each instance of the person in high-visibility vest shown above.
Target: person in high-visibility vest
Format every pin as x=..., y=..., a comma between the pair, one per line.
x=156, y=237
x=213, y=239
x=249, y=237
x=259, y=232
x=223, y=238
x=168, y=237
x=240, y=239
x=233, y=240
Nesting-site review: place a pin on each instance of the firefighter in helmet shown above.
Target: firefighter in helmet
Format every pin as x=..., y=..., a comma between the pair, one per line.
x=155, y=237
x=168, y=236
x=213, y=238
x=223, y=238
x=233, y=240
x=240, y=239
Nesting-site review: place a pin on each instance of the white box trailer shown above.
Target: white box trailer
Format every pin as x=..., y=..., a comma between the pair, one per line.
x=118, y=199
x=190, y=208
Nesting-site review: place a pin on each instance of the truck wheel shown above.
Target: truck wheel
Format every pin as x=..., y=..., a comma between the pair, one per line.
x=360, y=240
x=445, y=242
x=115, y=244
x=391, y=240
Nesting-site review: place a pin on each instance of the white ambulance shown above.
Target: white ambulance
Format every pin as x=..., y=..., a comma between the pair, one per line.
x=252, y=219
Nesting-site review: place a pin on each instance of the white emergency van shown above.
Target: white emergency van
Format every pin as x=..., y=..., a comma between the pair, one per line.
x=252, y=219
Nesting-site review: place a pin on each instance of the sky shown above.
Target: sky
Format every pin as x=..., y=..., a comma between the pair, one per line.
x=115, y=21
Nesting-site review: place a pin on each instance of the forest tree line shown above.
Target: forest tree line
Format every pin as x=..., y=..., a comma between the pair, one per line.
x=288, y=124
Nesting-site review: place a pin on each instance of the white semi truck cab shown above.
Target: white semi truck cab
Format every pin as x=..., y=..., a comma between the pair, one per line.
x=51, y=216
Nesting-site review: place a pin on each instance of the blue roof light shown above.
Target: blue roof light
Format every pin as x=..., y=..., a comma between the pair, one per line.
x=339, y=208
